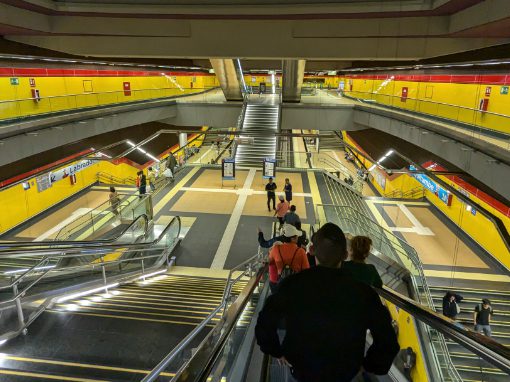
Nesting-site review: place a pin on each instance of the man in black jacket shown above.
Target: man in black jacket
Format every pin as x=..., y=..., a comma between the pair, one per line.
x=327, y=315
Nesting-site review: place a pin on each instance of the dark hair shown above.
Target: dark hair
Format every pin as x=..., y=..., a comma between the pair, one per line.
x=139, y=172
x=360, y=247
x=330, y=246
x=270, y=178
x=150, y=168
x=293, y=208
x=112, y=189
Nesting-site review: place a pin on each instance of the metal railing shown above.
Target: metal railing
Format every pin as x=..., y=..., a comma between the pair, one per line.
x=416, y=192
x=106, y=177
x=253, y=267
x=39, y=271
x=470, y=116
x=20, y=108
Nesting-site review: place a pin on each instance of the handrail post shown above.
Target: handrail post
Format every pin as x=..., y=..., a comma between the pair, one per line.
x=103, y=270
x=143, y=270
x=19, y=308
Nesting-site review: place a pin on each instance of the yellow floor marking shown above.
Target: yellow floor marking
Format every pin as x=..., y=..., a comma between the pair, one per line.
x=171, y=299
x=467, y=275
x=112, y=256
x=164, y=201
x=81, y=365
x=170, y=293
x=316, y=196
x=48, y=376
x=131, y=311
x=150, y=308
x=128, y=318
x=205, y=290
x=474, y=290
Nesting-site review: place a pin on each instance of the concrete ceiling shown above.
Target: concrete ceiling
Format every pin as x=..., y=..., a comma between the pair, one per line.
x=333, y=30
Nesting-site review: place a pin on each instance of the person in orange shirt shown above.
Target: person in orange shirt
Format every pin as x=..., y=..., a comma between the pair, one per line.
x=281, y=210
x=286, y=255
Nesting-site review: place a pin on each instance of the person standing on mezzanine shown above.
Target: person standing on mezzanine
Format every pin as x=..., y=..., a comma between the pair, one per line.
x=271, y=196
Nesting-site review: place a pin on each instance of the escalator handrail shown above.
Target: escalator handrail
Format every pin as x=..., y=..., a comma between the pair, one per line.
x=75, y=251
x=71, y=244
x=491, y=351
x=128, y=247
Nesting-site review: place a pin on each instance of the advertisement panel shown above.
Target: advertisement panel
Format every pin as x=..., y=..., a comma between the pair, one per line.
x=429, y=184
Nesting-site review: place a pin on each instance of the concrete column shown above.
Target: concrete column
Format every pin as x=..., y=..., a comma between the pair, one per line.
x=228, y=77
x=183, y=139
x=293, y=72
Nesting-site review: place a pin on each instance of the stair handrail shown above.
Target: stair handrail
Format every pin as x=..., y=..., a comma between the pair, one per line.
x=126, y=203
x=118, y=180
x=141, y=247
x=226, y=318
x=39, y=245
x=240, y=120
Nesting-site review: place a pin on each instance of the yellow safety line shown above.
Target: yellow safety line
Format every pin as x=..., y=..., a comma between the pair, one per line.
x=384, y=201
x=130, y=311
x=159, y=299
x=155, y=293
x=316, y=196
x=148, y=308
x=48, y=376
x=81, y=365
x=481, y=291
x=164, y=201
x=205, y=293
x=467, y=275
x=127, y=318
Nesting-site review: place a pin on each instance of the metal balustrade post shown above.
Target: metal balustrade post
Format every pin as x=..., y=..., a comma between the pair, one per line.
x=19, y=308
x=143, y=270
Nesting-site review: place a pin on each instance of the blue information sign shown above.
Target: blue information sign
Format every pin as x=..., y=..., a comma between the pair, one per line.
x=269, y=168
x=228, y=168
x=429, y=184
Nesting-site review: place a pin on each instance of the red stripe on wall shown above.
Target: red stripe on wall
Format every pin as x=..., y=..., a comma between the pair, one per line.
x=489, y=79
x=64, y=72
x=41, y=169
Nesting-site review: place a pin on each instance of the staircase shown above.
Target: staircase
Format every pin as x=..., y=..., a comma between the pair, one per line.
x=470, y=366
x=119, y=335
x=260, y=123
x=328, y=140
x=343, y=195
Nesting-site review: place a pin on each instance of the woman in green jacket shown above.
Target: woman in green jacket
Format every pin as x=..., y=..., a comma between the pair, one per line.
x=357, y=267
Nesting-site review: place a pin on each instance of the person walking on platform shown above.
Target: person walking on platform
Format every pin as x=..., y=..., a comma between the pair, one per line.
x=281, y=210
x=271, y=196
x=357, y=267
x=451, y=304
x=482, y=317
x=327, y=314
x=151, y=174
x=171, y=162
x=288, y=190
x=292, y=217
x=114, y=200
x=141, y=183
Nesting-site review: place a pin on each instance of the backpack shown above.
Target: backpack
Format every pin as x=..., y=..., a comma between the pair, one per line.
x=287, y=268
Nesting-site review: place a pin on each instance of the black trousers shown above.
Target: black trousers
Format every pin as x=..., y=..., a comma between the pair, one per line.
x=271, y=196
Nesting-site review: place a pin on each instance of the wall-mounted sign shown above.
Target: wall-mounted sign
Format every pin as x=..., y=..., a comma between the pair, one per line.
x=14, y=81
x=32, y=82
x=269, y=168
x=228, y=168
x=26, y=186
x=127, y=88
x=403, y=97
x=488, y=90
x=433, y=187
x=503, y=90
x=70, y=170
x=43, y=182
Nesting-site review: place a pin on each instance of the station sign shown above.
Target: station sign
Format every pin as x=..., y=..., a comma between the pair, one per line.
x=228, y=168
x=69, y=170
x=503, y=90
x=429, y=184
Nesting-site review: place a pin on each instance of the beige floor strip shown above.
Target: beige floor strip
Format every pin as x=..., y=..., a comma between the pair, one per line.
x=164, y=201
x=467, y=276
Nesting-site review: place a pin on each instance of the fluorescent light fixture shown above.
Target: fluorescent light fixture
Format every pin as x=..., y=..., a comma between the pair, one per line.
x=141, y=150
x=371, y=167
x=388, y=153
x=2, y=342
x=130, y=143
x=87, y=292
